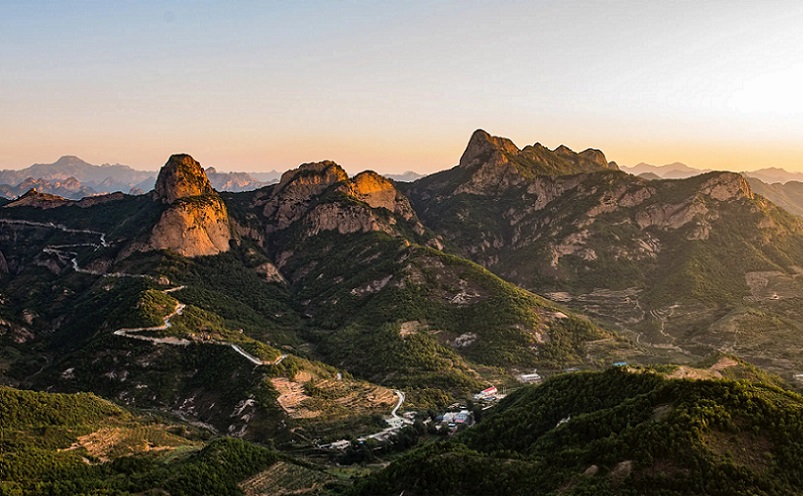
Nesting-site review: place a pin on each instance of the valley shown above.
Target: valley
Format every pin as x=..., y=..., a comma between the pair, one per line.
x=312, y=313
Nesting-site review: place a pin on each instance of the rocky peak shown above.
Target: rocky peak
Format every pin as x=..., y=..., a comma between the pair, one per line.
x=180, y=177
x=289, y=199
x=196, y=222
x=316, y=176
x=563, y=150
x=724, y=186
x=369, y=184
x=69, y=160
x=378, y=192
x=597, y=157
x=71, y=182
x=496, y=164
x=482, y=148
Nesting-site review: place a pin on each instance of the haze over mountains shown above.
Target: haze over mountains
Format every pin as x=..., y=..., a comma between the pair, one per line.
x=73, y=178
x=297, y=313
x=783, y=188
x=679, y=170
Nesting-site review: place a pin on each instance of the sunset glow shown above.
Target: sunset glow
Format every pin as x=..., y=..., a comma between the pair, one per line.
x=399, y=86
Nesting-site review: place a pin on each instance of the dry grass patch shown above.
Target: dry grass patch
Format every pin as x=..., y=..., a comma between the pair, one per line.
x=283, y=479
x=113, y=442
x=307, y=397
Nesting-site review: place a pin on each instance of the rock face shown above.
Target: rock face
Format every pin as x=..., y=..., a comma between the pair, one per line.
x=196, y=222
x=180, y=177
x=291, y=198
x=378, y=192
x=319, y=197
x=724, y=186
x=492, y=165
x=193, y=229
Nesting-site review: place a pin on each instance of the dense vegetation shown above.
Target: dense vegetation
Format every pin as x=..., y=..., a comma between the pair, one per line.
x=57, y=444
x=336, y=293
x=617, y=432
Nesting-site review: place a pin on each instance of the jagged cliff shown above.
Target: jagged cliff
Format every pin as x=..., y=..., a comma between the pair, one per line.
x=195, y=222
x=492, y=165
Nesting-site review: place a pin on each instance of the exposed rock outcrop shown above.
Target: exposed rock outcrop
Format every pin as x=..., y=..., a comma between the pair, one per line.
x=300, y=196
x=290, y=199
x=193, y=229
x=270, y=273
x=196, y=222
x=483, y=148
x=724, y=186
x=378, y=192
x=181, y=177
x=492, y=165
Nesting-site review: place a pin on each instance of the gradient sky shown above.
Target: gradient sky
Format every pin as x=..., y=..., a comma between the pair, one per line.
x=399, y=85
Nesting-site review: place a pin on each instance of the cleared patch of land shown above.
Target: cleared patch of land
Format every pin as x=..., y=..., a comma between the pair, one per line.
x=283, y=479
x=306, y=397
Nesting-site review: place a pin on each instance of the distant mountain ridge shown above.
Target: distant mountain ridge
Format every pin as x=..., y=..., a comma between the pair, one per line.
x=788, y=195
x=678, y=170
x=405, y=177
x=775, y=175
x=675, y=170
x=100, y=178
x=781, y=187
x=73, y=178
x=67, y=188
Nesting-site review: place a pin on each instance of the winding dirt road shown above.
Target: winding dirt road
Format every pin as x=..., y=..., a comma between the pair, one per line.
x=131, y=333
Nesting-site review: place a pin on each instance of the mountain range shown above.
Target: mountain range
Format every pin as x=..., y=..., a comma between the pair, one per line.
x=295, y=314
x=677, y=170
x=777, y=185
x=71, y=177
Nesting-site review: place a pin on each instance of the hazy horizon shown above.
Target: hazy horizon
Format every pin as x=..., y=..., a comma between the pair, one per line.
x=255, y=86
x=351, y=170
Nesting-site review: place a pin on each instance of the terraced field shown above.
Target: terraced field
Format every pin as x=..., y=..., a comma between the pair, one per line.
x=306, y=397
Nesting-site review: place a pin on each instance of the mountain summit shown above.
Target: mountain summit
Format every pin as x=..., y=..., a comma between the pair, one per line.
x=492, y=165
x=482, y=148
x=536, y=159
x=196, y=223
x=180, y=177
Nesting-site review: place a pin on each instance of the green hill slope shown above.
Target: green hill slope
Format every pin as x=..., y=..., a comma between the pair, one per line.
x=384, y=302
x=59, y=444
x=617, y=432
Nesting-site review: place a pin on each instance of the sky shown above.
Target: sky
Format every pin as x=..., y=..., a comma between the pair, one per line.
x=399, y=85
